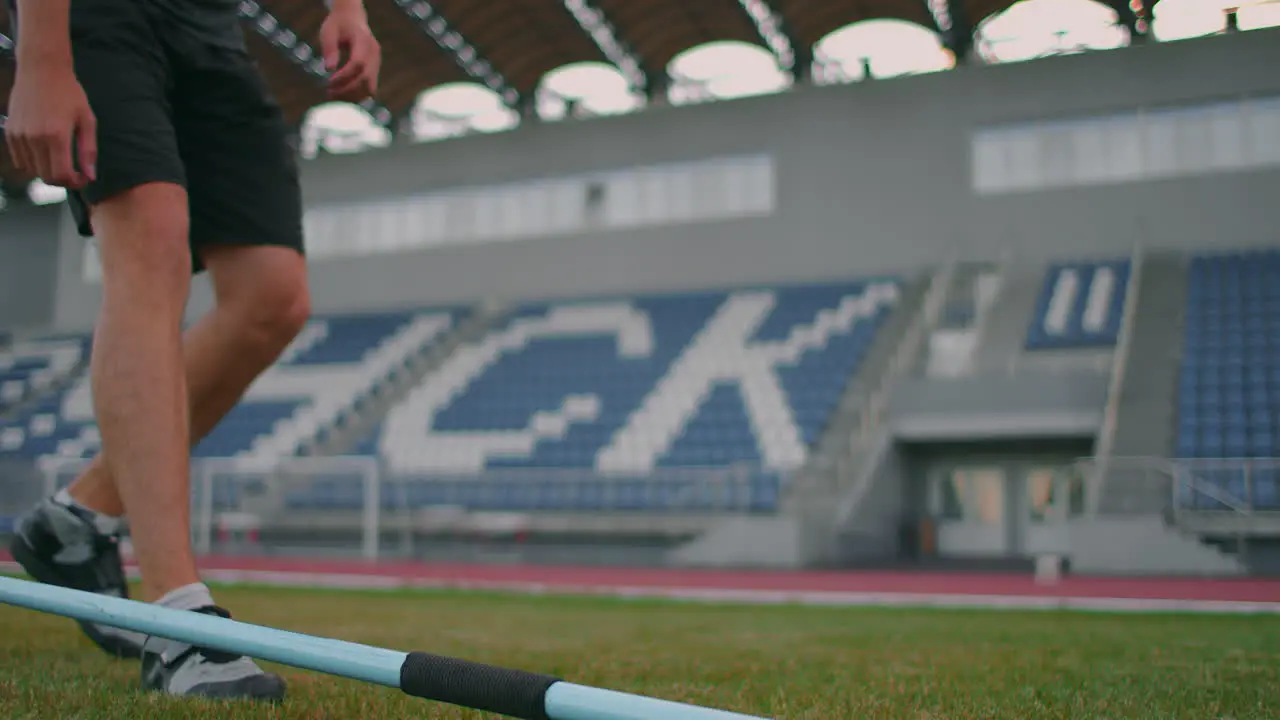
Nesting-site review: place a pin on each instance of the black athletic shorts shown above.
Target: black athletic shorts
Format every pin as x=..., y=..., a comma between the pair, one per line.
x=173, y=107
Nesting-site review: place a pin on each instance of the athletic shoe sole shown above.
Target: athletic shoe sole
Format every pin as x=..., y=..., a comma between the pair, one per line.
x=49, y=575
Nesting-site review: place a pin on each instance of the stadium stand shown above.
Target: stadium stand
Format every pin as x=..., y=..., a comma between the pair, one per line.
x=1080, y=306
x=32, y=367
x=1229, y=390
x=622, y=390
x=334, y=364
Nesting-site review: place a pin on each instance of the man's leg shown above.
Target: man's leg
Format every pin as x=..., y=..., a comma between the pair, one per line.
x=151, y=146
x=245, y=202
x=261, y=304
x=140, y=215
x=139, y=387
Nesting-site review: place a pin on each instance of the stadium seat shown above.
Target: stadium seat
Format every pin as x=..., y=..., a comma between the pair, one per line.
x=28, y=369
x=631, y=403
x=334, y=362
x=1229, y=388
x=1080, y=306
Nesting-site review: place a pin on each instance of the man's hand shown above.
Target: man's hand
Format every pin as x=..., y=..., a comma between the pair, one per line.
x=50, y=121
x=351, y=53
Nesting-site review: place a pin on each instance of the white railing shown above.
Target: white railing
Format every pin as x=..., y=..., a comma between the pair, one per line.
x=1244, y=486
x=311, y=498
x=907, y=353
x=1155, y=485
x=862, y=457
x=1119, y=365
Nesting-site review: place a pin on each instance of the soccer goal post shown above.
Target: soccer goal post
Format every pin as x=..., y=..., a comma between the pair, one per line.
x=339, y=492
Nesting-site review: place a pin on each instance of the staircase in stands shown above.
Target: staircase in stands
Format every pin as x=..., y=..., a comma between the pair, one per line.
x=344, y=436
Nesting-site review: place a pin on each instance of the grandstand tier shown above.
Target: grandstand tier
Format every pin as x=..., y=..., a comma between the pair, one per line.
x=635, y=387
x=29, y=368
x=710, y=398
x=332, y=364
x=1229, y=389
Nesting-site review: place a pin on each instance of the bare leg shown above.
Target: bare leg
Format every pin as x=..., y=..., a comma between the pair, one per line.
x=262, y=303
x=140, y=389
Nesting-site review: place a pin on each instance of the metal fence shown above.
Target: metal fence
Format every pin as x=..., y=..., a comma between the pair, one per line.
x=1149, y=485
x=351, y=505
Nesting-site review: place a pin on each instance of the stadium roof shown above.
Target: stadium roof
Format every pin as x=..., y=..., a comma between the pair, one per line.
x=456, y=66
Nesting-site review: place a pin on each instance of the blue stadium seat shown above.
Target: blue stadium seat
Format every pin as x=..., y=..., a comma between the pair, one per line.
x=1229, y=385
x=631, y=404
x=29, y=368
x=335, y=361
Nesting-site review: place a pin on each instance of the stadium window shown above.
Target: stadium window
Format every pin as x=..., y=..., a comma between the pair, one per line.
x=885, y=48
x=457, y=109
x=724, y=70
x=1039, y=28
x=583, y=90
x=1262, y=130
x=623, y=206
x=1183, y=19
x=427, y=218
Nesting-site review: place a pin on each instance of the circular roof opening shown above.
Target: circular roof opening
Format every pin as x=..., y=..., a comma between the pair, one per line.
x=1036, y=28
x=723, y=70
x=595, y=88
x=1183, y=19
x=890, y=47
x=341, y=128
x=41, y=193
x=460, y=108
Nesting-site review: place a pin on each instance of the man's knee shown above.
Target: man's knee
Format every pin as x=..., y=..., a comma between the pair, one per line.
x=142, y=236
x=264, y=290
x=277, y=316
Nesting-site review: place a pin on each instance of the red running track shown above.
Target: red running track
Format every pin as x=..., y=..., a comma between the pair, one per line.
x=831, y=587
x=1225, y=589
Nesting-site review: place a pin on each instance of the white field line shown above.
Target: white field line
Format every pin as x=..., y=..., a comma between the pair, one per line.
x=735, y=596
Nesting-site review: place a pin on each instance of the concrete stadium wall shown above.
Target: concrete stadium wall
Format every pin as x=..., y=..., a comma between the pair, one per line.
x=872, y=177
x=28, y=263
x=1031, y=404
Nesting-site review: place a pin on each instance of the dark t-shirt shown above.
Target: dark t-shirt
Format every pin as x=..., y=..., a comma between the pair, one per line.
x=211, y=22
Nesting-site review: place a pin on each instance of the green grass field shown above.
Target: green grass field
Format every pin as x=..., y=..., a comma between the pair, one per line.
x=779, y=662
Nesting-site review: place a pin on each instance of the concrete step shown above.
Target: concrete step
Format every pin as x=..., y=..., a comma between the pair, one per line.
x=344, y=438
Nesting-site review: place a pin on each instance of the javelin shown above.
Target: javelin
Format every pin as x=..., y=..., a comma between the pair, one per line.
x=488, y=688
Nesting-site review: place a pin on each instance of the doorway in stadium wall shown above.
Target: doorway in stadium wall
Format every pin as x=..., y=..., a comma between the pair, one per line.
x=1002, y=509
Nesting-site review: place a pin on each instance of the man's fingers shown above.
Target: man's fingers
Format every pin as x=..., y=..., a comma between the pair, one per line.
x=349, y=81
x=55, y=157
x=18, y=152
x=87, y=145
x=357, y=79
x=352, y=70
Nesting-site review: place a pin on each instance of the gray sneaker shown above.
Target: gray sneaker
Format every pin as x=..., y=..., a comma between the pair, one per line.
x=58, y=545
x=177, y=668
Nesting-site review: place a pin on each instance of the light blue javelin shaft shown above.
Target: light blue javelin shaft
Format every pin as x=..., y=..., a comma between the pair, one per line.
x=566, y=701
x=563, y=701
x=334, y=657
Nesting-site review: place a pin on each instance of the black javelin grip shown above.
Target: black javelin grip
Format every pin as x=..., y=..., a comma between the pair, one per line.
x=514, y=693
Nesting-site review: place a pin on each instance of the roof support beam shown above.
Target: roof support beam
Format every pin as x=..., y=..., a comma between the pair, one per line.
x=954, y=26
x=652, y=82
x=1137, y=20
x=793, y=56
x=436, y=27
x=257, y=18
